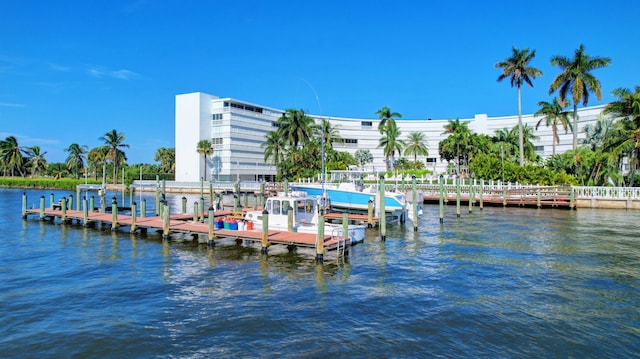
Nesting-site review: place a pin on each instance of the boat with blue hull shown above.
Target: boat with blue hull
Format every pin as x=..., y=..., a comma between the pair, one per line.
x=353, y=197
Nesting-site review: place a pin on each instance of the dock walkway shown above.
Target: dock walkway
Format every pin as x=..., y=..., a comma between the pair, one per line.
x=181, y=223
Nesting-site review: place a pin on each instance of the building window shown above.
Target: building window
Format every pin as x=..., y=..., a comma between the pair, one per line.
x=216, y=142
x=538, y=148
x=350, y=142
x=216, y=117
x=366, y=124
x=431, y=160
x=275, y=124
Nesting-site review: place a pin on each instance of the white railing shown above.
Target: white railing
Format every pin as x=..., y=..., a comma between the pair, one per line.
x=584, y=192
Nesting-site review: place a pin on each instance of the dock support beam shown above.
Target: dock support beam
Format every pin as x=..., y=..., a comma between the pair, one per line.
x=165, y=222
x=414, y=193
x=265, y=232
x=114, y=214
x=85, y=212
x=134, y=208
x=320, y=237
x=458, y=180
x=41, y=208
x=210, y=226
x=383, y=219
x=24, y=205
x=441, y=199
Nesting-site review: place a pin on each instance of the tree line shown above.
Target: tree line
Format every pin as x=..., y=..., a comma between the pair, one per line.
x=98, y=162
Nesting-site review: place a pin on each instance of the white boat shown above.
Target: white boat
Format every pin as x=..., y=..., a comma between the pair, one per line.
x=352, y=196
x=305, y=216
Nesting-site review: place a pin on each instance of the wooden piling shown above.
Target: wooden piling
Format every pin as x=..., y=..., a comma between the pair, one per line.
x=481, y=191
x=85, y=212
x=51, y=202
x=289, y=216
x=184, y=205
x=24, y=205
x=441, y=199
x=320, y=238
x=114, y=214
x=70, y=202
x=63, y=208
x=202, y=209
x=345, y=227
x=134, y=213
x=77, y=198
x=265, y=232
x=158, y=213
x=210, y=226
x=370, y=214
x=471, y=197
x=458, y=180
x=41, y=208
x=383, y=220
x=165, y=222
x=143, y=208
x=91, y=204
x=195, y=211
x=414, y=192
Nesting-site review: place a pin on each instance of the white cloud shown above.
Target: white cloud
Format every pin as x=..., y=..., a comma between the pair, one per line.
x=7, y=104
x=122, y=74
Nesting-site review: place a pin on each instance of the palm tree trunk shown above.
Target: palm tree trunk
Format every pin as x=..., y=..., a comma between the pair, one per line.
x=205, y=167
x=575, y=126
x=520, y=134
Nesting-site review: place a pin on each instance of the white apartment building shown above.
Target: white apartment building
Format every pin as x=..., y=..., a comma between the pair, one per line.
x=237, y=129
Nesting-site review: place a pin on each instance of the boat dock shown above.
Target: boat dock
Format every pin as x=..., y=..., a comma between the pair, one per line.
x=188, y=224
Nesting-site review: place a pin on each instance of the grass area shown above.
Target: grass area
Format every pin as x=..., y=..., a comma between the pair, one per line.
x=43, y=183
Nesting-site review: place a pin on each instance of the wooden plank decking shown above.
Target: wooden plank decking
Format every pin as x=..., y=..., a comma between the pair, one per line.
x=182, y=223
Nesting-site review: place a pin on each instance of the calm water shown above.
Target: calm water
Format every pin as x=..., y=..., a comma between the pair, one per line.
x=497, y=283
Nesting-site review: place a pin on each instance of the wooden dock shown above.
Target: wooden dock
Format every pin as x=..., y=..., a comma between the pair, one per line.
x=540, y=197
x=184, y=224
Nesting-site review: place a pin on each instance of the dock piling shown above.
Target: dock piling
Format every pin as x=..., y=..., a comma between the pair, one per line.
x=114, y=213
x=320, y=238
x=41, y=208
x=383, y=220
x=85, y=212
x=265, y=232
x=370, y=214
x=210, y=226
x=134, y=208
x=24, y=205
x=458, y=179
x=441, y=182
x=414, y=193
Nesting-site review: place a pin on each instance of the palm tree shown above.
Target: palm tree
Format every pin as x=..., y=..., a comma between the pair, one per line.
x=554, y=115
x=390, y=143
x=76, y=158
x=167, y=159
x=296, y=127
x=528, y=135
x=577, y=79
x=517, y=67
x=274, y=147
x=416, y=146
x=114, y=141
x=329, y=132
x=459, y=137
x=37, y=162
x=627, y=130
x=385, y=115
x=363, y=157
x=98, y=156
x=12, y=153
x=596, y=133
x=205, y=148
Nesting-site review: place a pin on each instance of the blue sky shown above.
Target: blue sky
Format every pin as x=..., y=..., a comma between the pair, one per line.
x=70, y=71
